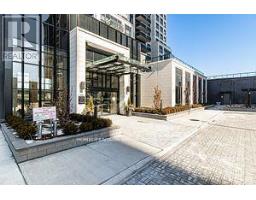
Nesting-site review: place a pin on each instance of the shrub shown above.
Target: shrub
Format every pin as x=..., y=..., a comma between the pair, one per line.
x=98, y=123
x=14, y=121
x=107, y=122
x=89, y=122
x=196, y=105
x=26, y=131
x=86, y=126
x=70, y=128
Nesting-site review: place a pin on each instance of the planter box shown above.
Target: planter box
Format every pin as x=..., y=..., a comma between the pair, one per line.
x=169, y=116
x=23, y=151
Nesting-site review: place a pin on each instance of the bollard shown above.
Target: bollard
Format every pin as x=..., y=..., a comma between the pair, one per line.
x=39, y=130
x=95, y=111
x=55, y=128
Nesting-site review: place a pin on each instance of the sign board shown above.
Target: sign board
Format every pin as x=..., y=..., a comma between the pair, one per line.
x=81, y=99
x=44, y=113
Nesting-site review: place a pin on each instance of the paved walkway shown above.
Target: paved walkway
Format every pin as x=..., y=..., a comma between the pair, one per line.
x=9, y=171
x=222, y=153
x=111, y=160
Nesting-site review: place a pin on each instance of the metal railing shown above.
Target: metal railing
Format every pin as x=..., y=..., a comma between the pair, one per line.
x=169, y=56
x=236, y=75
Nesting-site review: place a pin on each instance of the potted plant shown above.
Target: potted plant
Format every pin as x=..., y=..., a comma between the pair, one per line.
x=129, y=108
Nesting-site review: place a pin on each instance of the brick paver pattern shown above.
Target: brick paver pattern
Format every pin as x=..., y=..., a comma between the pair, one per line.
x=222, y=153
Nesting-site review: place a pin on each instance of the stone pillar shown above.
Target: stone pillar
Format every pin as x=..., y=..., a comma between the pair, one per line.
x=77, y=71
x=202, y=89
x=183, y=87
x=124, y=92
x=197, y=89
x=205, y=91
x=173, y=85
x=191, y=101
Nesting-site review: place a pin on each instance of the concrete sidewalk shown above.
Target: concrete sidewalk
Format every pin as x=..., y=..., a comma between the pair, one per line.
x=95, y=163
x=9, y=170
x=112, y=160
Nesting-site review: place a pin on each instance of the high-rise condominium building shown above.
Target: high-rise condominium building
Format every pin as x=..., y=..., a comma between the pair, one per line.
x=159, y=48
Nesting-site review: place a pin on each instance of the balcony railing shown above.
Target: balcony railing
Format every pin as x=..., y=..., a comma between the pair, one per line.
x=236, y=75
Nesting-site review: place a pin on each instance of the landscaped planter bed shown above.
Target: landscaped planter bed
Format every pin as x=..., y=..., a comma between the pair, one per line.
x=168, y=116
x=23, y=151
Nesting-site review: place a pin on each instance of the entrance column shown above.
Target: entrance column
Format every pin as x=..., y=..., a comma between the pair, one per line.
x=77, y=72
x=124, y=92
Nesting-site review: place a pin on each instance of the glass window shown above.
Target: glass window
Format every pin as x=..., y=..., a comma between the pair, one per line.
x=178, y=86
x=62, y=39
x=62, y=62
x=157, y=18
x=157, y=26
x=31, y=98
x=17, y=75
x=31, y=77
x=47, y=36
x=62, y=21
x=31, y=57
x=49, y=19
x=103, y=30
x=114, y=82
x=47, y=59
x=31, y=33
x=47, y=78
x=111, y=34
x=157, y=34
x=17, y=101
x=61, y=79
x=118, y=37
x=128, y=30
x=124, y=40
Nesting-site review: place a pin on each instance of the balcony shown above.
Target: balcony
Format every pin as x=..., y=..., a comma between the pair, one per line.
x=142, y=18
x=141, y=26
x=142, y=36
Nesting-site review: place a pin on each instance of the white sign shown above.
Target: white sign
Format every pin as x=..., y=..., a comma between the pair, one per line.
x=44, y=113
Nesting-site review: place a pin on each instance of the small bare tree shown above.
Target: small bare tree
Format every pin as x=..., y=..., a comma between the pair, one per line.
x=157, y=98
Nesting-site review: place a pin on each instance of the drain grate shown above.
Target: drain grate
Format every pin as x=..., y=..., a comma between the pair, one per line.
x=195, y=120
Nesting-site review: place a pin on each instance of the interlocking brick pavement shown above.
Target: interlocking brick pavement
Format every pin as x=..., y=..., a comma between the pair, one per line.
x=222, y=153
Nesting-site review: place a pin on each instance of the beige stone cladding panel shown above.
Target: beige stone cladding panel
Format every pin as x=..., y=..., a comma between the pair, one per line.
x=161, y=76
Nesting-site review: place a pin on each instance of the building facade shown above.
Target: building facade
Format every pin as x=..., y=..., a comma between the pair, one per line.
x=65, y=60
x=159, y=47
x=232, y=89
x=179, y=83
x=35, y=62
x=142, y=23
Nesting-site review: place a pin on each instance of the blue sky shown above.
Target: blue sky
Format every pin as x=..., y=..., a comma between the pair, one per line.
x=215, y=44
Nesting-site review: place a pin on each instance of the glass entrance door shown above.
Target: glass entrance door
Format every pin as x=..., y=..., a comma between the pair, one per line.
x=105, y=91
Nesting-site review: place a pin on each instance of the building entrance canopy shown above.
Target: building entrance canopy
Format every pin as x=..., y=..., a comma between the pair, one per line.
x=117, y=65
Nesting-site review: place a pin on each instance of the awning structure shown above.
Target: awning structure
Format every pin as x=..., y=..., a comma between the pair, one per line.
x=117, y=65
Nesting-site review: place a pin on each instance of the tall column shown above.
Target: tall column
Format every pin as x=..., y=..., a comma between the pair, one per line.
x=77, y=72
x=173, y=85
x=202, y=89
x=191, y=90
x=183, y=87
x=197, y=89
x=205, y=91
